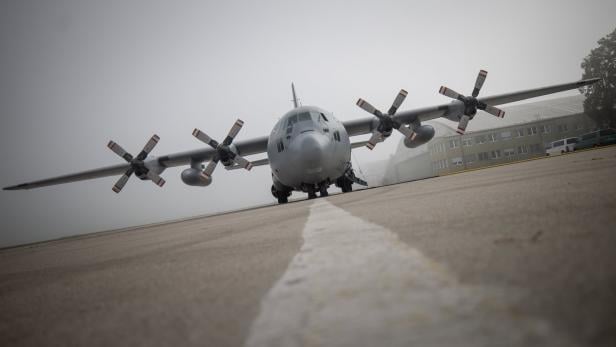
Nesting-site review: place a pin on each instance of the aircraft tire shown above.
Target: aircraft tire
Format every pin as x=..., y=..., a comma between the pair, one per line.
x=323, y=191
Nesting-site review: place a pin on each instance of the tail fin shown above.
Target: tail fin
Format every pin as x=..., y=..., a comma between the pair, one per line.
x=295, y=99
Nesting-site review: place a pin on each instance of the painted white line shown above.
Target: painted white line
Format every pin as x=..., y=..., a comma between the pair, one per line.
x=353, y=283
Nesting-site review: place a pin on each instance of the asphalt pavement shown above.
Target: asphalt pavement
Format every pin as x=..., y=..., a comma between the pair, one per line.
x=514, y=255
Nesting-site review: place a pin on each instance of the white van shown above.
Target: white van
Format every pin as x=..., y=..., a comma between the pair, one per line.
x=561, y=146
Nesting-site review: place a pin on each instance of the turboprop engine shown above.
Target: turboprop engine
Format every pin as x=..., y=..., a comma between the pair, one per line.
x=424, y=133
x=195, y=177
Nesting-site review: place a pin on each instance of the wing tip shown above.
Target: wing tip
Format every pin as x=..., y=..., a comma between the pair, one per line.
x=589, y=81
x=17, y=187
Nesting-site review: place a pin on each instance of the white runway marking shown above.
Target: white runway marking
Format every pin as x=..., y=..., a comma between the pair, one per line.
x=353, y=283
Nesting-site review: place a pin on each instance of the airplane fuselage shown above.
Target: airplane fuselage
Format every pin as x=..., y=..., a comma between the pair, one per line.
x=308, y=147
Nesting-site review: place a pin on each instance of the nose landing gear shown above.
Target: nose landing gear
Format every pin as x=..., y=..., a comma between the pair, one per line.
x=312, y=189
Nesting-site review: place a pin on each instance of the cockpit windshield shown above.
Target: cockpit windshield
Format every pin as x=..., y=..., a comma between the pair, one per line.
x=302, y=117
x=292, y=120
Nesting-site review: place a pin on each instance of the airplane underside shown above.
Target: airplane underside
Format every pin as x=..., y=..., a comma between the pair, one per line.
x=344, y=182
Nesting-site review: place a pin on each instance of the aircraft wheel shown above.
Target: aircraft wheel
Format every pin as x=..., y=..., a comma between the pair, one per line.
x=347, y=186
x=283, y=199
x=311, y=193
x=323, y=191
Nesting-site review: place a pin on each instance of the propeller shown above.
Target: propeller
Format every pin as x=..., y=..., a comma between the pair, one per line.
x=136, y=163
x=386, y=121
x=471, y=104
x=223, y=152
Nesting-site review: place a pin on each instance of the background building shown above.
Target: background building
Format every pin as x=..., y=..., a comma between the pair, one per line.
x=531, y=126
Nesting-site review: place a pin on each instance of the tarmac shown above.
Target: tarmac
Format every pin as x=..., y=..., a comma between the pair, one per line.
x=514, y=255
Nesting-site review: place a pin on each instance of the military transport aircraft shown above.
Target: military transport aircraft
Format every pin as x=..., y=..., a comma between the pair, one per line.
x=308, y=149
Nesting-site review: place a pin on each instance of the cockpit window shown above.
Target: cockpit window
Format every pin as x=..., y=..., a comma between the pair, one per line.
x=304, y=117
x=292, y=120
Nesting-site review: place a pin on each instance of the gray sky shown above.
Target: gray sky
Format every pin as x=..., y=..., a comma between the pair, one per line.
x=76, y=74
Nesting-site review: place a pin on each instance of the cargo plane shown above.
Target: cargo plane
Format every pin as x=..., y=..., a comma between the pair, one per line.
x=308, y=149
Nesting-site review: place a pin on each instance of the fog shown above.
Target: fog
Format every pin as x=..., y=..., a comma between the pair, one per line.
x=76, y=74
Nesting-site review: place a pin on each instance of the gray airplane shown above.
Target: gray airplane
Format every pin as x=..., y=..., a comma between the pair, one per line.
x=308, y=149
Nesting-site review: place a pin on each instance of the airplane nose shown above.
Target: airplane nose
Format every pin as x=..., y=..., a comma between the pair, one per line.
x=312, y=147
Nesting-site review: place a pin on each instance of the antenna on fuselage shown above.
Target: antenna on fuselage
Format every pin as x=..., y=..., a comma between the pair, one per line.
x=295, y=99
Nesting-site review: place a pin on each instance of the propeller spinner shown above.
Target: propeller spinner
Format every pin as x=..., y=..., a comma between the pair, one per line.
x=386, y=121
x=471, y=104
x=136, y=163
x=223, y=152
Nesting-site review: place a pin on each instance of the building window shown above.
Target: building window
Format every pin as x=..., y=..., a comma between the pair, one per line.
x=531, y=131
x=495, y=154
x=438, y=147
x=519, y=133
x=523, y=149
x=505, y=135
x=480, y=139
x=483, y=156
x=509, y=152
x=454, y=144
x=491, y=137
x=467, y=142
x=562, y=128
x=579, y=126
x=456, y=161
x=439, y=164
x=545, y=129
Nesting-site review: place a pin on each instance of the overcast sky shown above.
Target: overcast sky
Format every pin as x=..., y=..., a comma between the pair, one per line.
x=76, y=74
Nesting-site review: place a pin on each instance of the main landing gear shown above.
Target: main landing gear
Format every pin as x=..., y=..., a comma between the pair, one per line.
x=282, y=196
x=345, y=184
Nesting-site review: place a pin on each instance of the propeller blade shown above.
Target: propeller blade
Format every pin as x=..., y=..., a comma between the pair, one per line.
x=369, y=108
x=450, y=93
x=462, y=124
x=204, y=138
x=481, y=77
x=374, y=139
x=406, y=131
x=397, y=102
x=122, y=181
x=117, y=149
x=148, y=147
x=233, y=132
x=242, y=162
x=493, y=111
x=210, y=168
x=154, y=177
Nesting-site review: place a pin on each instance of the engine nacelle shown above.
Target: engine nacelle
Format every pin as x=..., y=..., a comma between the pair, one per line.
x=424, y=133
x=193, y=177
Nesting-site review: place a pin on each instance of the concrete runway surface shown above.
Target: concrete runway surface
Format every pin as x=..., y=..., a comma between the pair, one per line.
x=516, y=255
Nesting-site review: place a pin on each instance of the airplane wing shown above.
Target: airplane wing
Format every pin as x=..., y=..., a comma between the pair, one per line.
x=454, y=109
x=247, y=147
x=150, y=168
